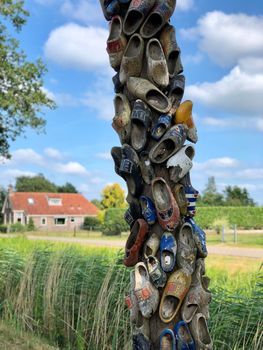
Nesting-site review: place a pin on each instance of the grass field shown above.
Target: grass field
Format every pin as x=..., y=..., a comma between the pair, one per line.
x=244, y=238
x=11, y=338
x=74, y=296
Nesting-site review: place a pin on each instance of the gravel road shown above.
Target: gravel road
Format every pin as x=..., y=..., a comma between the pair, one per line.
x=212, y=249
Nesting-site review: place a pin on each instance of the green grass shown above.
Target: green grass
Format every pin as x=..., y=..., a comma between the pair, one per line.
x=74, y=296
x=243, y=239
x=12, y=338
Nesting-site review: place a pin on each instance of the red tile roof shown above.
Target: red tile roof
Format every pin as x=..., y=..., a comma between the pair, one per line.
x=72, y=204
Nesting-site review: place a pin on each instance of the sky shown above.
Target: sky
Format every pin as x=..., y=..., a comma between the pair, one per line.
x=222, y=52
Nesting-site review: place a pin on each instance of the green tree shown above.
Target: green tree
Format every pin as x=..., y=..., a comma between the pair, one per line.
x=22, y=97
x=113, y=197
x=3, y=194
x=67, y=188
x=210, y=195
x=236, y=196
x=34, y=184
x=97, y=203
x=31, y=225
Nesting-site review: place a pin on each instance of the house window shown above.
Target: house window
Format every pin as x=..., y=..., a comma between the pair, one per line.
x=30, y=201
x=72, y=220
x=54, y=201
x=43, y=221
x=60, y=221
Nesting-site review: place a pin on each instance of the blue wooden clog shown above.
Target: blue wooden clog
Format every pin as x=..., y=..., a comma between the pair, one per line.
x=167, y=336
x=183, y=337
x=168, y=248
x=148, y=210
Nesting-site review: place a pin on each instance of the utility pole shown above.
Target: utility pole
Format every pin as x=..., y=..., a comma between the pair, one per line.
x=168, y=296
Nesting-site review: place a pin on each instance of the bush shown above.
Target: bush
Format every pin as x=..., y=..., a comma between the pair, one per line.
x=17, y=227
x=243, y=217
x=31, y=225
x=3, y=228
x=91, y=222
x=114, y=223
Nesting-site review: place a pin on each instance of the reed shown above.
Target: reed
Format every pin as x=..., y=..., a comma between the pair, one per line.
x=74, y=297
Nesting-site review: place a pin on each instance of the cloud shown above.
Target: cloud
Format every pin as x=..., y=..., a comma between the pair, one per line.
x=104, y=155
x=72, y=168
x=184, y=5
x=245, y=123
x=100, y=97
x=238, y=92
x=46, y=2
x=27, y=155
x=217, y=163
x=193, y=59
x=53, y=153
x=97, y=180
x=14, y=173
x=227, y=38
x=75, y=46
x=86, y=11
x=251, y=173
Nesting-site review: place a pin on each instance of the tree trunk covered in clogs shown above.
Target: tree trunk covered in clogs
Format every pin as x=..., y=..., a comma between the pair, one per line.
x=169, y=296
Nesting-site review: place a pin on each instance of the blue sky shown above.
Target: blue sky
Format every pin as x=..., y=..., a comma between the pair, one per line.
x=222, y=52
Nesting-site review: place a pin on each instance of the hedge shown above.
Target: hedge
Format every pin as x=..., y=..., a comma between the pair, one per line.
x=206, y=217
x=114, y=223
x=243, y=217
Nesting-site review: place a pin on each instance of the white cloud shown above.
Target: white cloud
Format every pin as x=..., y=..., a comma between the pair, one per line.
x=11, y=174
x=100, y=97
x=193, y=59
x=86, y=11
x=72, y=168
x=27, y=155
x=47, y=2
x=62, y=99
x=84, y=188
x=217, y=163
x=76, y=46
x=252, y=65
x=104, y=155
x=255, y=123
x=251, y=173
x=184, y=5
x=97, y=180
x=238, y=92
x=227, y=38
x=53, y=153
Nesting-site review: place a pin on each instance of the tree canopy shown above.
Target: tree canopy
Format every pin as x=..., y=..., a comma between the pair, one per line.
x=113, y=197
x=236, y=196
x=22, y=97
x=232, y=196
x=39, y=183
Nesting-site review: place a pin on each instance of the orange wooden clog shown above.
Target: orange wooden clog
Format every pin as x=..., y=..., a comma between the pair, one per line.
x=174, y=294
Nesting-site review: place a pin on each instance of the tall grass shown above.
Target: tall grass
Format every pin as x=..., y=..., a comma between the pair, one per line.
x=75, y=298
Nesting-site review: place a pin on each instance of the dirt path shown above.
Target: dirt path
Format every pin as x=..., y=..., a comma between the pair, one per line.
x=212, y=249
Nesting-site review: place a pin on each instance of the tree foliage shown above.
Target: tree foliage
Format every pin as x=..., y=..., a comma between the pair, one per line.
x=67, y=188
x=97, y=203
x=36, y=183
x=210, y=195
x=22, y=97
x=113, y=197
x=39, y=183
x=236, y=196
x=3, y=193
x=232, y=196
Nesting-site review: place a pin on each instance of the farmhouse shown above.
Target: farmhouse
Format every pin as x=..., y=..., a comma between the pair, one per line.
x=49, y=211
